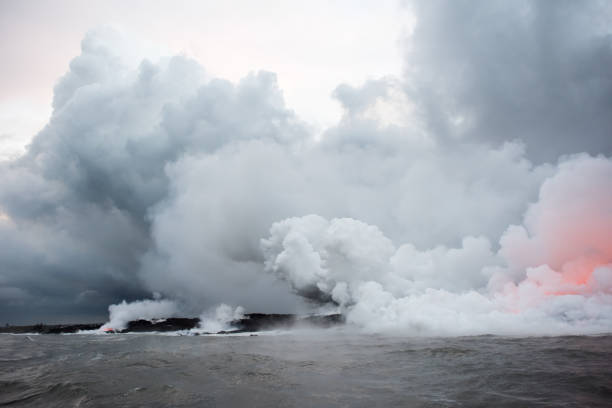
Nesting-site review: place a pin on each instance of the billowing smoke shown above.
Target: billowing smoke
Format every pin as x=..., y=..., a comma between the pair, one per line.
x=439, y=203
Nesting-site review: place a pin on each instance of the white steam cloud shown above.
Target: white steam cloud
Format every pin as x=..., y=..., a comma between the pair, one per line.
x=551, y=275
x=220, y=318
x=439, y=204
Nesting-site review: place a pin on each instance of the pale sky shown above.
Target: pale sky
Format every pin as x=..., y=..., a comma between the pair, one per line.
x=312, y=47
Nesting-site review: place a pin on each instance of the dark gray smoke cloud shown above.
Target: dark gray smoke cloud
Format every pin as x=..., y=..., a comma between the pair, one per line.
x=158, y=178
x=495, y=70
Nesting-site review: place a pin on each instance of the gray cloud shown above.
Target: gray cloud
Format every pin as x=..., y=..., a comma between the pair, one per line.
x=531, y=70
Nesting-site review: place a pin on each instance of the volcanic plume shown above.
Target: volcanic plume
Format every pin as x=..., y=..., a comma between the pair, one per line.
x=471, y=194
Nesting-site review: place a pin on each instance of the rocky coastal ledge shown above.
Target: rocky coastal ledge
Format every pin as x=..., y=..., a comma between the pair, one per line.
x=252, y=322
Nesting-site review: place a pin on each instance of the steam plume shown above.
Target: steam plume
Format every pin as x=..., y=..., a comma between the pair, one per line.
x=551, y=275
x=439, y=203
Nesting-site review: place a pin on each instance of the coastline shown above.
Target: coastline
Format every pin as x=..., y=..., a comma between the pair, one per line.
x=252, y=322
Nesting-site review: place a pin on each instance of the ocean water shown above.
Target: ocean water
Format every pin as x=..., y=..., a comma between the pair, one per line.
x=324, y=368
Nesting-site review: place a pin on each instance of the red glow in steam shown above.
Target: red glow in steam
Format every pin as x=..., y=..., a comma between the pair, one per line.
x=581, y=271
x=567, y=234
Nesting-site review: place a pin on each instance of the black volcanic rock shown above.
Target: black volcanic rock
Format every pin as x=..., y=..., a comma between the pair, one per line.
x=49, y=328
x=252, y=322
x=70, y=328
x=324, y=321
x=165, y=325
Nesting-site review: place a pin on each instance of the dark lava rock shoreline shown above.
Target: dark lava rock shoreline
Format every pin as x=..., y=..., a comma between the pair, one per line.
x=252, y=322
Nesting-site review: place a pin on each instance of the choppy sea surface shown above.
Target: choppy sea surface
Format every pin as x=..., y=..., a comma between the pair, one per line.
x=325, y=368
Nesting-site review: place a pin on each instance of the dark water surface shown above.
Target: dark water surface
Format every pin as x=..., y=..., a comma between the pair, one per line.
x=312, y=369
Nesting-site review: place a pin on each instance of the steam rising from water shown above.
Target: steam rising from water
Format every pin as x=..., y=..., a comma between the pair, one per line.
x=553, y=274
x=219, y=319
x=121, y=314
